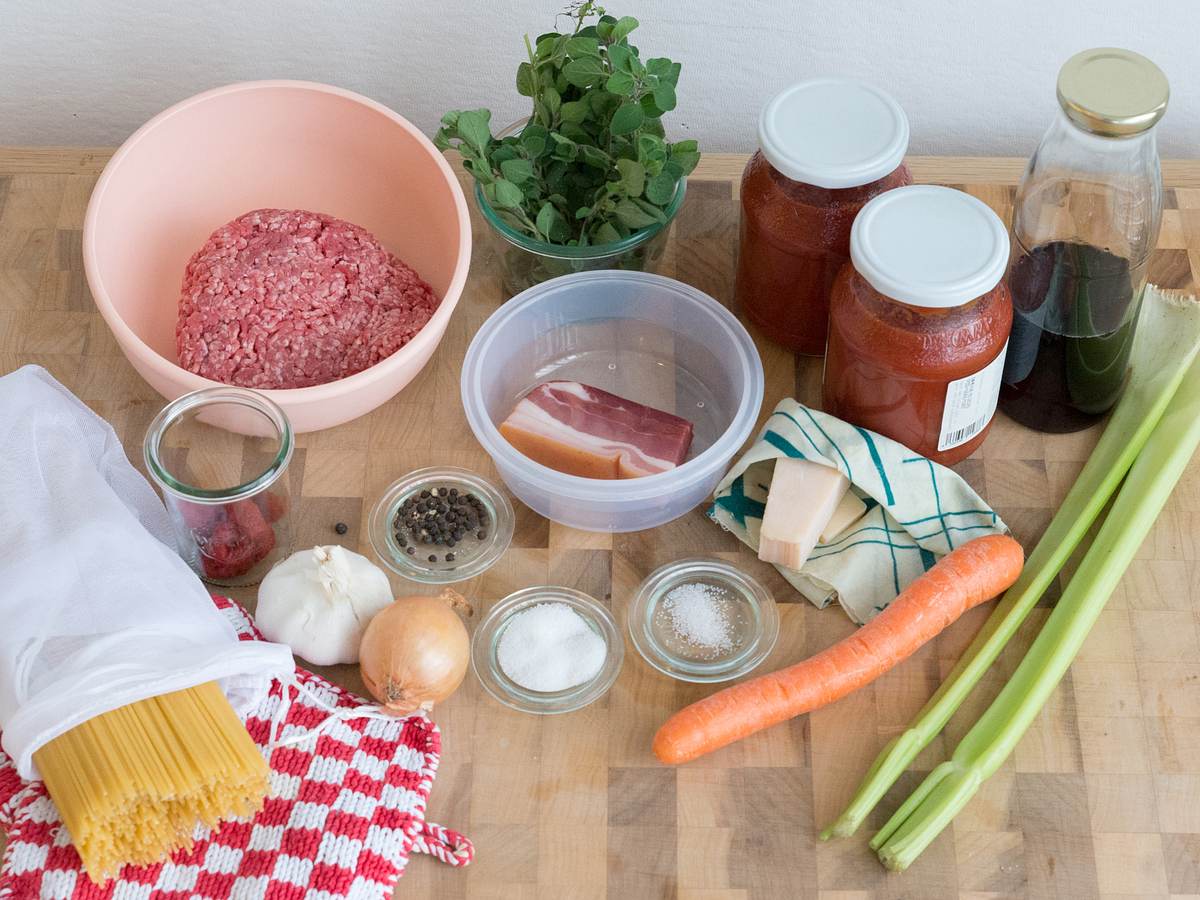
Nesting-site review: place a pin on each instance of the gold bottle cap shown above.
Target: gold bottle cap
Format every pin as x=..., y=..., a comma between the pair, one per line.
x=1112, y=92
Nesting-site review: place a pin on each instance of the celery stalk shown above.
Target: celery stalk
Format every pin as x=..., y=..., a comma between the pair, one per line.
x=985, y=747
x=1167, y=340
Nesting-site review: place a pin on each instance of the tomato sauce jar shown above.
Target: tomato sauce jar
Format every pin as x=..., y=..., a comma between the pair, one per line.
x=919, y=321
x=827, y=146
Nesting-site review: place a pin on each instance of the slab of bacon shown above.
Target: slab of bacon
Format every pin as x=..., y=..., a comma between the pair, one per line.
x=582, y=430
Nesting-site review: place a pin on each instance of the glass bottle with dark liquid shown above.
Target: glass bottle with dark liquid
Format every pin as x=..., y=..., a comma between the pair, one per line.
x=1085, y=222
x=1075, y=308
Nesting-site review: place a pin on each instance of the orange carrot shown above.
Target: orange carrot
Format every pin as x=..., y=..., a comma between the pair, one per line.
x=960, y=580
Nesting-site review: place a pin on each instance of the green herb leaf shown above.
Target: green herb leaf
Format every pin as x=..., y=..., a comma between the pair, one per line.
x=508, y=195
x=534, y=139
x=658, y=66
x=624, y=26
x=583, y=72
x=552, y=99
x=517, y=170
x=651, y=147
x=627, y=118
x=500, y=154
x=664, y=96
x=655, y=127
x=621, y=58
x=684, y=147
x=621, y=83
x=525, y=80
x=603, y=103
x=633, y=176
x=579, y=46
x=473, y=127
x=664, y=70
x=659, y=189
x=595, y=157
x=551, y=224
x=606, y=234
x=633, y=216
x=649, y=107
x=565, y=149
x=450, y=119
x=574, y=111
x=481, y=170
x=687, y=161
x=651, y=209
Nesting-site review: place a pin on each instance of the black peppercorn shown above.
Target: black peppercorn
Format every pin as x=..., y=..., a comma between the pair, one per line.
x=341, y=527
x=433, y=557
x=449, y=557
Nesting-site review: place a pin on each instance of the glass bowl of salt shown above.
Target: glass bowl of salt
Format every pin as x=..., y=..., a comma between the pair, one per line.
x=547, y=650
x=703, y=620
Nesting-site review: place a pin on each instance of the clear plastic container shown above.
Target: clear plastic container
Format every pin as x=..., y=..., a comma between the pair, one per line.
x=645, y=337
x=227, y=495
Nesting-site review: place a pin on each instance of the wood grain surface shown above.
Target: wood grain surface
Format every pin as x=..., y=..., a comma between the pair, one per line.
x=1102, y=797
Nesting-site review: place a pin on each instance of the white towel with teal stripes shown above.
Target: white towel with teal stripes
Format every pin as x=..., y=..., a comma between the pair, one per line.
x=917, y=510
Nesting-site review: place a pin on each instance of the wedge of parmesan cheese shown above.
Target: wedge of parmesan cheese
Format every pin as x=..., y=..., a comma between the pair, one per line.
x=802, y=499
x=849, y=510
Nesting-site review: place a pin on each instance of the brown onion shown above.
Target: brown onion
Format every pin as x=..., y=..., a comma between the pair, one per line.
x=415, y=652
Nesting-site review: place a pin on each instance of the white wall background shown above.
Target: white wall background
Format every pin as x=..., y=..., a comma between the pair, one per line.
x=976, y=77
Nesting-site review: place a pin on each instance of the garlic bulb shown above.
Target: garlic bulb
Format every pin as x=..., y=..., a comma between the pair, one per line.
x=320, y=601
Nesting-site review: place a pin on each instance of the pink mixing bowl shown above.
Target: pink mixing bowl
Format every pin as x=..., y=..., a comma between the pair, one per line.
x=286, y=144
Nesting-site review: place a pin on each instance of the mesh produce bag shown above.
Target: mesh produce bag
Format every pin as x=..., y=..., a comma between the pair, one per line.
x=99, y=610
x=347, y=809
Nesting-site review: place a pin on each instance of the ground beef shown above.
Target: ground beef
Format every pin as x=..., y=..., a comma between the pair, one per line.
x=283, y=298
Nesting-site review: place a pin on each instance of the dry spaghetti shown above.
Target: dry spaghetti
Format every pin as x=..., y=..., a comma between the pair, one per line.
x=133, y=784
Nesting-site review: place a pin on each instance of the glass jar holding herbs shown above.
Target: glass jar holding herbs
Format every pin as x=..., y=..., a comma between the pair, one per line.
x=1085, y=222
x=589, y=180
x=827, y=147
x=919, y=321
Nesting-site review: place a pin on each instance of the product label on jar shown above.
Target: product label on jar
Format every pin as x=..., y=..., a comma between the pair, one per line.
x=971, y=403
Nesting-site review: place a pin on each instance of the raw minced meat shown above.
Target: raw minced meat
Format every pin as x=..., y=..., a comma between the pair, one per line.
x=285, y=298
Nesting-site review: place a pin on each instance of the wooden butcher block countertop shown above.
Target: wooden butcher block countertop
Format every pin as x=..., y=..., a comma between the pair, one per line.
x=1102, y=797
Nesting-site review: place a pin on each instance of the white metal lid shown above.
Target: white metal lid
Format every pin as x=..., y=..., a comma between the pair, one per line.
x=929, y=246
x=833, y=132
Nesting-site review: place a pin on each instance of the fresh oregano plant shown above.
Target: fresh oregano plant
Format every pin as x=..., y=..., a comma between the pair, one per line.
x=592, y=165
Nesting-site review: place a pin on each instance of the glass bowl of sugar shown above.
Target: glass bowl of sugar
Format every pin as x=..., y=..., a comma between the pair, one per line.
x=703, y=620
x=547, y=650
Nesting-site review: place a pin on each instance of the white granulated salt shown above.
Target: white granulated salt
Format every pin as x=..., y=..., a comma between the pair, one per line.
x=698, y=615
x=550, y=647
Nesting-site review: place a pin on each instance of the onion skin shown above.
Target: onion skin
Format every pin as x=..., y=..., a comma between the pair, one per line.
x=416, y=652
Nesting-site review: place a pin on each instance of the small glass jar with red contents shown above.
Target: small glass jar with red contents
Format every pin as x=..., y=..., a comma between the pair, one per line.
x=827, y=147
x=226, y=491
x=919, y=321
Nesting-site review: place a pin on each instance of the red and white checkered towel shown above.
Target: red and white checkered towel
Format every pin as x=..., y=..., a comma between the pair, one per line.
x=347, y=808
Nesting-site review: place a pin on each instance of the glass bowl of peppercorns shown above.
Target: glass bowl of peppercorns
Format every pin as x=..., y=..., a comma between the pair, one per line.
x=440, y=525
